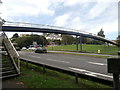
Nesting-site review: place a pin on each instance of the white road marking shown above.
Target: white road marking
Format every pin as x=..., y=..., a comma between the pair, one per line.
x=50, y=59
x=34, y=56
x=97, y=63
x=57, y=60
x=81, y=70
x=90, y=73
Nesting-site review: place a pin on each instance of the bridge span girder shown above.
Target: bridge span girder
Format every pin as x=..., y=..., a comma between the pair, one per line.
x=46, y=30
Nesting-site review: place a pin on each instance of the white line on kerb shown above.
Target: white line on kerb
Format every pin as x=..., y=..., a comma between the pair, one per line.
x=90, y=73
x=57, y=60
x=97, y=63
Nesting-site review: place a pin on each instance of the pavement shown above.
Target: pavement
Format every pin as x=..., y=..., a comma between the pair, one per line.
x=79, y=53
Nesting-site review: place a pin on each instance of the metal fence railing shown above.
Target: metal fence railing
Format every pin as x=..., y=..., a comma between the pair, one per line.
x=12, y=52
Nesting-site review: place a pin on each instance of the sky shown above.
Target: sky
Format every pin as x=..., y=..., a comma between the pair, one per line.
x=85, y=15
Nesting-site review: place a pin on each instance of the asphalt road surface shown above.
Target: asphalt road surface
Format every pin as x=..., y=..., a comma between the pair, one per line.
x=96, y=67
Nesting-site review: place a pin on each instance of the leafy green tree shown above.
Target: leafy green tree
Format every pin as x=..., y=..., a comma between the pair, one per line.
x=84, y=40
x=118, y=40
x=14, y=37
x=57, y=42
x=68, y=39
x=28, y=40
x=101, y=33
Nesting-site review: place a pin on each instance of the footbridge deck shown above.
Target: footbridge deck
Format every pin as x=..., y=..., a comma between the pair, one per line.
x=29, y=27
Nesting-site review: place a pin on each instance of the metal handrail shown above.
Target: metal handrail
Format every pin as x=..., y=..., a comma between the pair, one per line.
x=12, y=52
x=23, y=24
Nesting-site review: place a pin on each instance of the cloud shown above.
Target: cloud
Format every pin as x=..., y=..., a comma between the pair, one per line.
x=70, y=2
x=42, y=6
x=97, y=10
x=27, y=8
x=106, y=1
x=76, y=2
x=68, y=20
x=85, y=15
x=77, y=23
x=61, y=20
x=108, y=27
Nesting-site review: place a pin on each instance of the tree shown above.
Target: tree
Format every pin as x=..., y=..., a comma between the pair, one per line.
x=57, y=42
x=101, y=33
x=118, y=40
x=15, y=35
x=28, y=40
x=68, y=39
x=84, y=40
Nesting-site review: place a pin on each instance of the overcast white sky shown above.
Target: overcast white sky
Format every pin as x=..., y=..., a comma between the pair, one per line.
x=85, y=15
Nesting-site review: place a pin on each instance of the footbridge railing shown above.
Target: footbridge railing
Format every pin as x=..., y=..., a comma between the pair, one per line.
x=12, y=52
x=42, y=26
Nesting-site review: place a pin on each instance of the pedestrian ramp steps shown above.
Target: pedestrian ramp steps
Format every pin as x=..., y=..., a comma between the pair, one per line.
x=7, y=68
x=9, y=61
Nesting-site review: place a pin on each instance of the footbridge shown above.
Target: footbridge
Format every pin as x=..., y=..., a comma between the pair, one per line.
x=9, y=26
x=14, y=64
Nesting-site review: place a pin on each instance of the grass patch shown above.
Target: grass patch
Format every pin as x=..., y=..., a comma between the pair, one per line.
x=87, y=48
x=34, y=77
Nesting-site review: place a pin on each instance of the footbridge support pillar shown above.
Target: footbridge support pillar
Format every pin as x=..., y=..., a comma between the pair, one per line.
x=80, y=43
x=77, y=43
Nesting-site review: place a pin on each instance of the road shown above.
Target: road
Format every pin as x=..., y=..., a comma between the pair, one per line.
x=96, y=67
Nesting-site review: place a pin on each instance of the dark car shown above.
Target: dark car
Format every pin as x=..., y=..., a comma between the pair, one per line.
x=17, y=48
x=41, y=50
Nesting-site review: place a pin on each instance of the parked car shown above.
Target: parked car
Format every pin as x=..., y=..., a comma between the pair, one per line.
x=18, y=48
x=32, y=48
x=40, y=50
x=24, y=48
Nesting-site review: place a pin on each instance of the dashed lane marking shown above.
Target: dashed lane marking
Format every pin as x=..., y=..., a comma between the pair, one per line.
x=34, y=56
x=57, y=60
x=101, y=64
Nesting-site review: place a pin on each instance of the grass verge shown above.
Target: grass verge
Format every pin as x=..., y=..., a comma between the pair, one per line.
x=112, y=50
x=34, y=77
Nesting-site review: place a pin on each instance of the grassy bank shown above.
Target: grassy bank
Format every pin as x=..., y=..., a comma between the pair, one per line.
x=34, y=77
x=87, y=48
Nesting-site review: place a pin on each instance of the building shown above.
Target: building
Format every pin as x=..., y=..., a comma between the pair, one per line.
x=53, y=36
x=23, y=35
